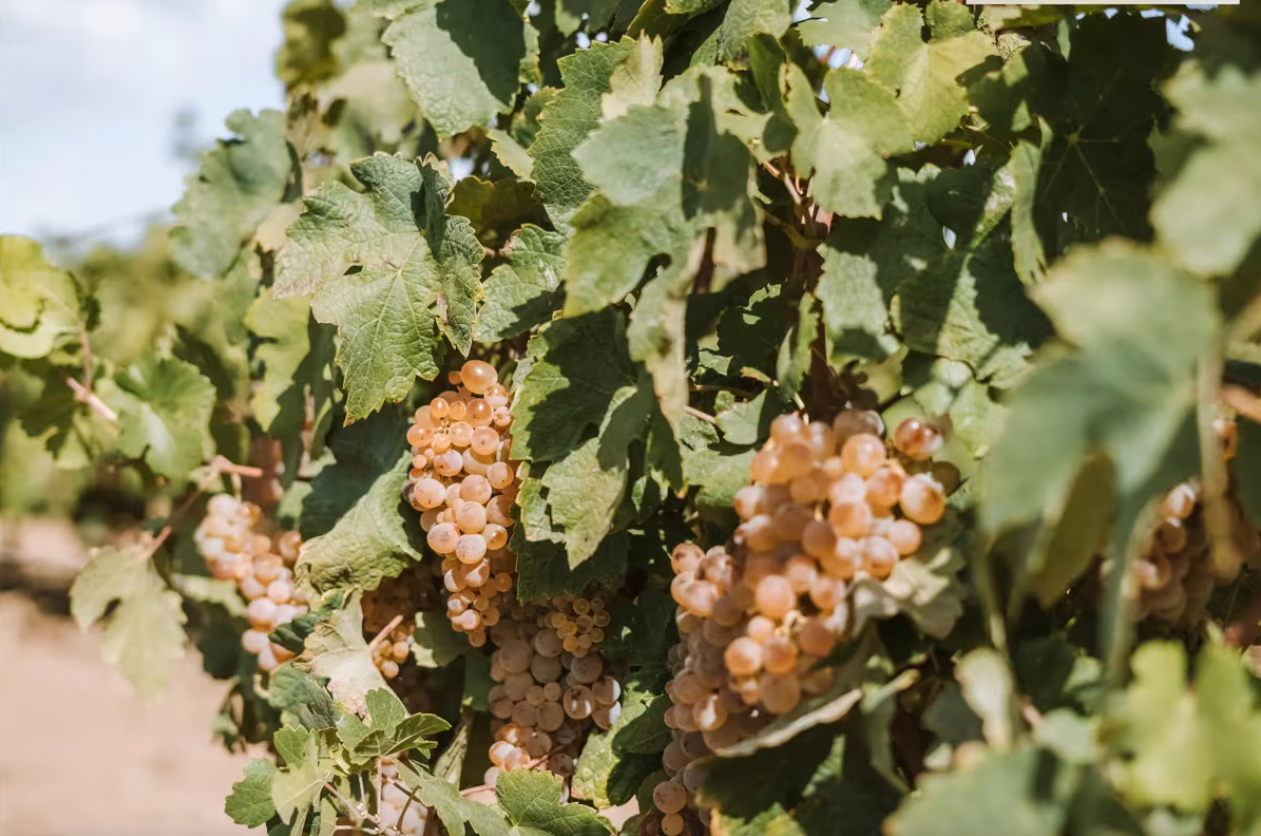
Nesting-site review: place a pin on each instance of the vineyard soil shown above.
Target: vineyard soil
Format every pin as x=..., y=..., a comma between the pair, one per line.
x=122, y=765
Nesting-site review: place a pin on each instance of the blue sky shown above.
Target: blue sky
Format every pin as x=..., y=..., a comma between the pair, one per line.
x=89, y=93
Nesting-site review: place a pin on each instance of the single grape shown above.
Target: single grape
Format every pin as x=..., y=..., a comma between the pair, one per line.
x=863, y=454
x=480, y=414
x=443, y=538
x=478, y=376
x=743, y=656
x=254, y=641
x=686, y=557
x=905, y=536
x=917, y=440
x=779, y=655
x=851, y=519
x=923, y=500
x=578, y=702
x=669, y=797
x=605, y=716
x=774, y=596
x=780, y=692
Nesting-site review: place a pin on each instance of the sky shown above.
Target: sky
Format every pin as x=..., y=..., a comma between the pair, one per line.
x=90, y=91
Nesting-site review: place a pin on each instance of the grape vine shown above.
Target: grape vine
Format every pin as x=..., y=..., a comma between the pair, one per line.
x=690, y=417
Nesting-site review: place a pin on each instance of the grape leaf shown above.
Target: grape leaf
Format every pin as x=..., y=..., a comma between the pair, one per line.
x=337, y=651
x=925, y=73
x=717, y=467
x=747, y=18
x=844, y=24
x=1027, y=790
x=1184, y=747
x=453, y=808
x=461, y=60
x=570, y=14
x=298, y=693
x=143, y=633
x=1204, y=216
x=532, y=801
x=846, y=151
x=543, y=566
x=437, y=643
x=1140, y=325
x=523, y=293
x=388, y=729
x=580, y=367
x=496, y=208
x=238, y=185
x=164, y=407
x=667, y=173
x=948, y=387
x=793, y=362
x=1097, y=109
x=44, y=307
x=969, y=305
x=250, y=802
x=297, y=786
x=415, y=275
x=296, y=355
x=565, y=122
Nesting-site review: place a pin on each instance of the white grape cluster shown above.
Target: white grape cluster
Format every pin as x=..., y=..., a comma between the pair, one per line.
x=549, y=674
x=828, y=503
x=1177, y=573
x=463, y=483
x=262, y=567
x=395, y=809
x=396, y=600
x=551, y=683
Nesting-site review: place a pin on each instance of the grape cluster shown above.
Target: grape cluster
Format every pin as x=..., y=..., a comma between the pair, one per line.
x=551, y=682
x=463, y=483
x=550, y=676
x=828, y=503
x=262, y=567
x=394, y=803
x=395, y=602
x=1177, y=573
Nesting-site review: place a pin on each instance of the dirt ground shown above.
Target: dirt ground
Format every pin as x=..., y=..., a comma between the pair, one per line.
x=80, y=753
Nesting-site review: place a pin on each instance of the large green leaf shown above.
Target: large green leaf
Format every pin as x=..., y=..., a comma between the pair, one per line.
x=1207, y=216
x=391, y=269
x=359, y=529
x=532, y=801
x=565, y=122
x=1139, y=326
x=164, y=407
x=44, y=307
x=925, y=74
x=847, y=149
x=238, y=185
x=461, y=59
x=144, y=633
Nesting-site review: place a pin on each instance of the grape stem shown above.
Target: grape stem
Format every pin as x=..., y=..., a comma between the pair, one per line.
x=385, y=631
x=696, y=413
x=84, y=395
x=83, y=391
x=217, y=467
